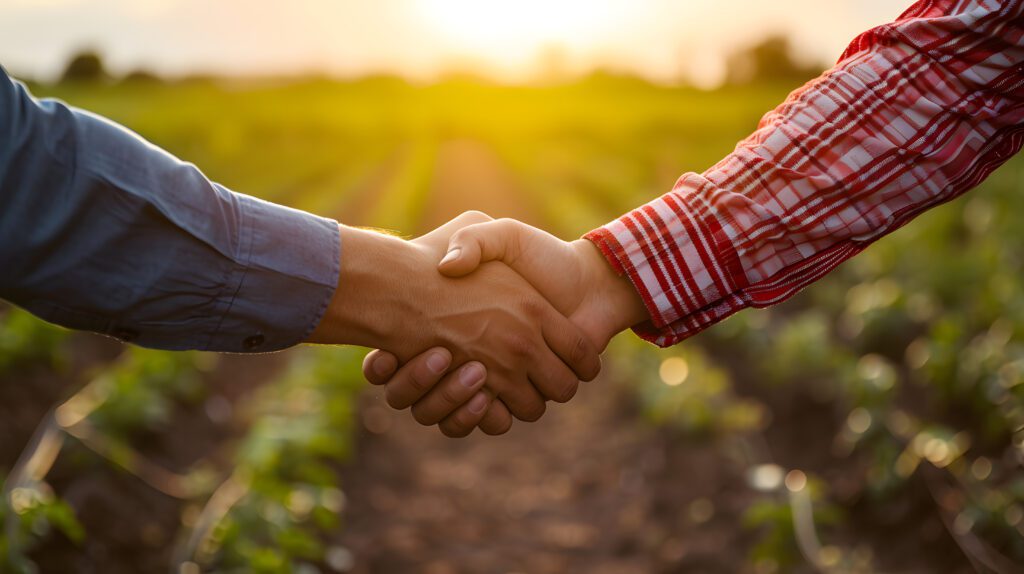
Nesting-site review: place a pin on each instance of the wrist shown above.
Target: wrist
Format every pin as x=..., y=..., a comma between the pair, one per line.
x=371, y=303
x=620, y=305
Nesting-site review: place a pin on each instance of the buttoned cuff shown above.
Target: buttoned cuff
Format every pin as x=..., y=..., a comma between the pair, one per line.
x=668, y=252
x=292, y=260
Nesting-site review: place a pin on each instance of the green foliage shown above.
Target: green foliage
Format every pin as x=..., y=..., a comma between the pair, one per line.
x=140, y=390
x=772, y=514
x=26, y=340
x=914, y=348
x=684, y=389
x=303, y=427
x=35, y=511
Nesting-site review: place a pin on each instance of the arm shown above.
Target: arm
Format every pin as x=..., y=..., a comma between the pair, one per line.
x=104, y=232
x=914, y=114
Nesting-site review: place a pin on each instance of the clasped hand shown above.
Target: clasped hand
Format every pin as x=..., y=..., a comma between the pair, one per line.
x=518, y=319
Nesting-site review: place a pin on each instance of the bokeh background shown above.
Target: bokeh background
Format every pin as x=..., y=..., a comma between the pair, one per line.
x=871, y=424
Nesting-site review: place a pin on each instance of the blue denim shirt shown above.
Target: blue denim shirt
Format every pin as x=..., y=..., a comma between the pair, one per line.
x=103, y=231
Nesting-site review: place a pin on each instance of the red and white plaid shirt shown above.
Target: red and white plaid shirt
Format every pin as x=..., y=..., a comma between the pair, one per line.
x=914, y=114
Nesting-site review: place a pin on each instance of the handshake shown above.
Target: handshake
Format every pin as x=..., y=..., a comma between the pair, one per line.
x=479, y=320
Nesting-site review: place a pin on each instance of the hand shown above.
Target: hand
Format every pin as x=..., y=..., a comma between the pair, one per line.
x=391, y=296
x=574, y=276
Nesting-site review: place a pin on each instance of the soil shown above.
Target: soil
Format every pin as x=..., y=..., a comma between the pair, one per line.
x=590, y=488
x=585, y=489
x=130, y=526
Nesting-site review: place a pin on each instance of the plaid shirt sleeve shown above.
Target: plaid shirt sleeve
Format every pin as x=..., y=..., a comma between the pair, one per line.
x=915, y=113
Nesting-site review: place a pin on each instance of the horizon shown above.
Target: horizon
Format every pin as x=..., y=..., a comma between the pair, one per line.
x=422, y=40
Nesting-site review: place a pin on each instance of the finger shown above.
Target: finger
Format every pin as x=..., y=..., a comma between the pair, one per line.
x=549, y=375
x=379, y=366
x=417, y=377
x=457, y=388
x=462, y=220
x=522, y=400
x=570, y=345
x=497, y=420
x=480, y=243
x=466, y=418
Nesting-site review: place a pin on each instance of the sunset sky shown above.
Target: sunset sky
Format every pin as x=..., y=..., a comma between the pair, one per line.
x=662, y=39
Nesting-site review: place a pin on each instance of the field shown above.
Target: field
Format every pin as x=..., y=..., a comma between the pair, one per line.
x=873, y=423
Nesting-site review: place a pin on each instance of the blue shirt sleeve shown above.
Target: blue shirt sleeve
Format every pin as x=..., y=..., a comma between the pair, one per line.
x=102, y=231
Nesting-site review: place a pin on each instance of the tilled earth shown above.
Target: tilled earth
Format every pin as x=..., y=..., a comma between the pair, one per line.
x=586, y=489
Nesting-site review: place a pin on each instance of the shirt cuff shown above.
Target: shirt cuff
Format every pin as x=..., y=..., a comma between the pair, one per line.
x=292, y=261
x=680, y=266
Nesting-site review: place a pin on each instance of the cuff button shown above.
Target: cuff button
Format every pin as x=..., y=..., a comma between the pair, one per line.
x=254, y=342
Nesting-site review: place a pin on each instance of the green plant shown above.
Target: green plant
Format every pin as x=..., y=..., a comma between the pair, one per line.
x=25, y=339
x=283, y=490
x=29, y=513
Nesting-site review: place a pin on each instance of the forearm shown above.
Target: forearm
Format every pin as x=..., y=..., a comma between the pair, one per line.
x=911, y=117
x=104, y=232
x=375, y=303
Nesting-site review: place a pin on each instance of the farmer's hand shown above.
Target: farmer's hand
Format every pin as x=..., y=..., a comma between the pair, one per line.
x=573, y=276
x=391, y=296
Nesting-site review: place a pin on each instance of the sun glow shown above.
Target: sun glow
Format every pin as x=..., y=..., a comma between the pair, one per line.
x=489, y=28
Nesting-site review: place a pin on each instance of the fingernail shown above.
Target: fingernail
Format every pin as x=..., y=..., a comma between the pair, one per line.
x=478, y=403
x=437, y=363
x=471, y=375
x=382, y=366
x=452, y=255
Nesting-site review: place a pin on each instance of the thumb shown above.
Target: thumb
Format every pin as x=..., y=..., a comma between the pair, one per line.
x=475, y=244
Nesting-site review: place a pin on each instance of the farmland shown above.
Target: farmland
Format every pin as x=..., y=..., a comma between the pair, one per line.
x=873, y=416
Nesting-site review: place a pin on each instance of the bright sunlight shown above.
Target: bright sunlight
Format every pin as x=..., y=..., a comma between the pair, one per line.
x=496, y=27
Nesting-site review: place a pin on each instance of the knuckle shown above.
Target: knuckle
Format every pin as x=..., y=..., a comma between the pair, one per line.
x=532, y=411
x=519, y=346
x=567, y=391
x=507, y=224
x=475, y=216
x=449, y=396
x=510, y=230
x=498, y=428
x=394, y=398
x=522, y=348
x=456, y=426
x=459, y=236
x=420, y=380
x=533, y=307
x=580, y=350
x=453, y=430
x=586, y=362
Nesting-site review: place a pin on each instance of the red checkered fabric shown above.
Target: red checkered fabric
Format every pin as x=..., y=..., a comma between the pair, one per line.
x=915, y=113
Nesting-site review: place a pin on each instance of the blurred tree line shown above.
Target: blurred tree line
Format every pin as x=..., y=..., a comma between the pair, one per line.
x=768, y=61
x=88, y=67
